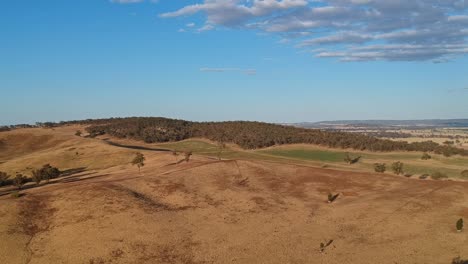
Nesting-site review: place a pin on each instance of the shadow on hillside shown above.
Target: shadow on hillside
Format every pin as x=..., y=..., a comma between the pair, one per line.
x=71, y=172
x=135, y=147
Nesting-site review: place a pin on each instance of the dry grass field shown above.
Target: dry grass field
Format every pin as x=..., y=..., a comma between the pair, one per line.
x=249, y=207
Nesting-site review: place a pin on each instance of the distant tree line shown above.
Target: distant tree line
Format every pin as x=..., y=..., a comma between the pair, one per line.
x=250, y=135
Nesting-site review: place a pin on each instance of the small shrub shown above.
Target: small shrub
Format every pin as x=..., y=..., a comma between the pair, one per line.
x=380, y=167
x=348, y=159
x=323, y=246
x=78, y=133
x=438, y=175
x=408, y=175
x=332, y=197
x=459, y=225
x=15, y=194
x=3, y=177
x=397, y=168
x=426, y=156
x=424, y=176
x=464, y=174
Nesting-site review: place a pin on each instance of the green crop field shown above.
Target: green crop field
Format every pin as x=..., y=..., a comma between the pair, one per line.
x=332, y=158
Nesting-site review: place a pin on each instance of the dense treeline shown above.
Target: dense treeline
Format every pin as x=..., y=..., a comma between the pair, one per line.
x=249, y=135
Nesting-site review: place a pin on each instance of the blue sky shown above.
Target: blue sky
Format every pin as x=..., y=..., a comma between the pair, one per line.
x=274, y=61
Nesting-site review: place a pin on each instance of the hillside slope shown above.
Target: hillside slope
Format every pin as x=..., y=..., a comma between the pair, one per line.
x=241, y=211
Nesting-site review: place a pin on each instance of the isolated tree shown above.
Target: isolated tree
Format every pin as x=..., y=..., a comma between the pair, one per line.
x=78, y=133
x=459, y=225
x=397, y=168
x=221, y=148
x=37, y=176
x=350, y=160
x=175, y=154
x=187, y=155
x=3, y=177
x=139, y=161
x=19, y=180
x=426, y=156
x=380, y=167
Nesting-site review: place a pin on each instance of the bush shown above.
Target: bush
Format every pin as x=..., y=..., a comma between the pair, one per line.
x=397, y=168
x=332, y=198
x=438, y=175
x=380, y=167
x=464, y=174
x=424, y=176
x=78, y=133
x=348, y=159
x=426, y=156
x=15, y=194
x=459, y=225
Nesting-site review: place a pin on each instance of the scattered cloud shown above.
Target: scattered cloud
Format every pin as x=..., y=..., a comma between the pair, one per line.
x=244, y=71
x=348, y=30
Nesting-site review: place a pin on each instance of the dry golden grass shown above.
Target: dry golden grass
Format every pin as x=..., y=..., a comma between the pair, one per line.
x=228, y=211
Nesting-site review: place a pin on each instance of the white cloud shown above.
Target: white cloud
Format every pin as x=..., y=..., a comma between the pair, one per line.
x=244, y=71
x=422, y=30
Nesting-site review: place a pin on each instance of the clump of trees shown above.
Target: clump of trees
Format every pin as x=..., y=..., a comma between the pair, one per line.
x=139, y=161
x=426, y=156
x=46, y=173
x=3, y=178
x=380, y=167
x=397, y=167
x=251, y=135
